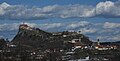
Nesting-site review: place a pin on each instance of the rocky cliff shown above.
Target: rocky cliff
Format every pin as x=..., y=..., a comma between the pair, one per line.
x=2, y=43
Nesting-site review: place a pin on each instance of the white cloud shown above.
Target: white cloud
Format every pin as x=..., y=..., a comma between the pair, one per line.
x=6, y=26
x=3, y=6
x=88, y=30
x=78, y=24
x=51, y=25
x=77, y=11
x=102, y=9
x=15, y=26
x=112, y=38
x=116, y=38
x=111, y=25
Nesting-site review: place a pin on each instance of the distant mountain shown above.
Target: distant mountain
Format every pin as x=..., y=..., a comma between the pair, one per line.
x=111, y=43
x=36, y=38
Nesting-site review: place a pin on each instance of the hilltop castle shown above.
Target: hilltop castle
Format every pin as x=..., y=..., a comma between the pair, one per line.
x=27, y=27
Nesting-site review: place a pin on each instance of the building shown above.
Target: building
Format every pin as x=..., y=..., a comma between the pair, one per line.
x=25, y=26
x=98, y=46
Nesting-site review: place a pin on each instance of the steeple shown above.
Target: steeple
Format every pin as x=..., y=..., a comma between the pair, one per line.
x=98, y=41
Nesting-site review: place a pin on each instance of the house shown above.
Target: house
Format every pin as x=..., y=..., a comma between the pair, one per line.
x=77, y=44
x=101, y=47
x=98, y=46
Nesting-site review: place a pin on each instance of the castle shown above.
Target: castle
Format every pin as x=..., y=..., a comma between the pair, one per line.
x=25, y=26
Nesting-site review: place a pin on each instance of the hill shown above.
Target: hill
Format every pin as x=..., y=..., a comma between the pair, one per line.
x=36, y=38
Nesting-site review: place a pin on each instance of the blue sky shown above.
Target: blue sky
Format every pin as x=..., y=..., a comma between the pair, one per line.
x=97, y=19
x=41, y=3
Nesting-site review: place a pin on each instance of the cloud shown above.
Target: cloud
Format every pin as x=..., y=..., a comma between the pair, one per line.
x=108, y=31
x=6, y=26
x=117, y=37
x=112, y=38
x=48, y=26
x=77, y=11
x=88, y=30
x=18, y=12
x=77, y=24
x=15, y=26
x=111, y=25
x=104, y=8
x=107, y=9
x=3, y=6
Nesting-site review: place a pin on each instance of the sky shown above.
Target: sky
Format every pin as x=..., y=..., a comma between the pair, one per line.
x=97, y=19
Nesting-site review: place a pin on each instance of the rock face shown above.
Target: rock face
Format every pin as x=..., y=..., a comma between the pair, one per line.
x=34, y=37
x=2, y=43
